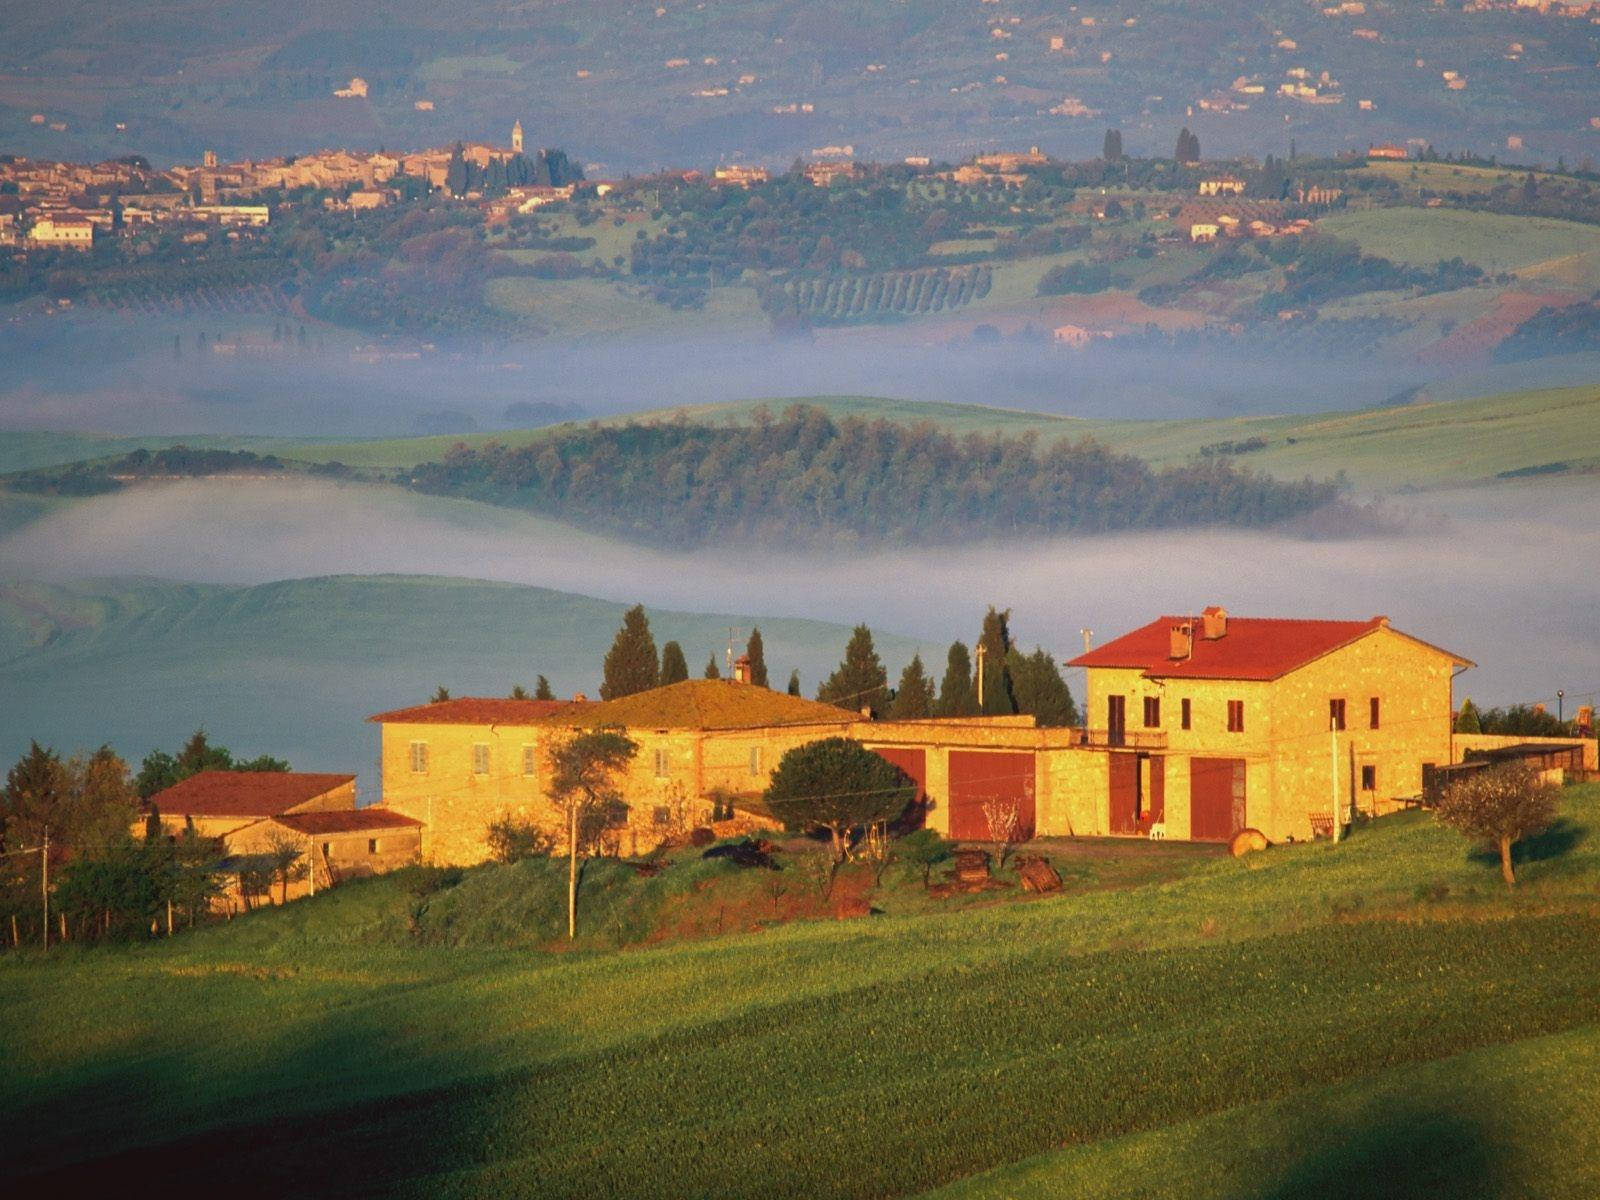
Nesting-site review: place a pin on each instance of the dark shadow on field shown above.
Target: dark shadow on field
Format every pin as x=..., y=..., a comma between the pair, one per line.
x=1564, y=836
x=1401, y=1154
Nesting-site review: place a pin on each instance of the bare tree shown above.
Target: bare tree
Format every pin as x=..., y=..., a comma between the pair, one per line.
x=1499, y=805
x=1005, y=825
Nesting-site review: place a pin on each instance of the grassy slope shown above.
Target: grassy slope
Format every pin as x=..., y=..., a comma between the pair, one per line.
x=1448, y=443
x=142, y=664
x=864, y=1058
x=1544, y=252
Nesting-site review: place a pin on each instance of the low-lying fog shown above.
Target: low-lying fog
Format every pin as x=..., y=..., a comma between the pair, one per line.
x=106, y=375
x=1504, y=577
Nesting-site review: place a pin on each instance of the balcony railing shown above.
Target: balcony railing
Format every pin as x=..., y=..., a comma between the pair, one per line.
x=1130, y=739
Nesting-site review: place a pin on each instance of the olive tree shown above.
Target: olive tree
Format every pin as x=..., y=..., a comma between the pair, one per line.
x=1500, y=806
x=839, y=785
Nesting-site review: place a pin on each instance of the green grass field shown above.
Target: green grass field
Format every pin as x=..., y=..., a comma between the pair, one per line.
x=1302, y=1022
x=1543, y=253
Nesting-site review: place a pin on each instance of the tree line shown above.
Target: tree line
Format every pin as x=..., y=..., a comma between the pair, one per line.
x=805, y=477
x=1008, y=680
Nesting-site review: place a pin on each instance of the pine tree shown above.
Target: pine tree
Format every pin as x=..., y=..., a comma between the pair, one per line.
x=36, y=788
x=999, y=696
x=674, y=667
x=1040, y=690
x=913, y=699
x=956, y=697
x=712, y=670
x=756, y=652
x=1112, y=151
x=1467, y=720
x=200, y=755
x=440, y=695
x=860, y=682
x=794, y=683
x=519, y=692
x=542, y=690
x=631, y=664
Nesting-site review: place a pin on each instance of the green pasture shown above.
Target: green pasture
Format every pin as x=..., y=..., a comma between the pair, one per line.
x=1291, y=1020
x=1541, y=252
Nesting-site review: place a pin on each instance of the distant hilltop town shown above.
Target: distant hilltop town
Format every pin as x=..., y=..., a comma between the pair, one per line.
x=64, y=205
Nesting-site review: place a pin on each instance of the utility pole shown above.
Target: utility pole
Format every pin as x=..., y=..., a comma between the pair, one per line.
x=1561, y=705
x=980, y=676
x=44, y=884
x=1333, y=777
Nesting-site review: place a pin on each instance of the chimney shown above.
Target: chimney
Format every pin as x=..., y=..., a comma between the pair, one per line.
x=1214, y=623
x=741, y=669
x=1182, y=641
x=579, y=698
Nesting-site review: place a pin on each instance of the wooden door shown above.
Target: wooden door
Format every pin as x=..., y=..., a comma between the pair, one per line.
x=1216, y=798
x=1116, y=720
x=978, y=777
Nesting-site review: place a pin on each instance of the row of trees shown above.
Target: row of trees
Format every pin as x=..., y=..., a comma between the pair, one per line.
x=1518, y=720
x=840, y=299
x=632, y=665
x=806, y=478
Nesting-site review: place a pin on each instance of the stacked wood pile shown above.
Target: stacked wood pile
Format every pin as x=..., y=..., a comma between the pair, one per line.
x=1037, y=874
x=972, y=867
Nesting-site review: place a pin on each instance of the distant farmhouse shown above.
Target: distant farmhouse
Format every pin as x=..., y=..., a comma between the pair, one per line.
x=1199, y=727
x=245, y=812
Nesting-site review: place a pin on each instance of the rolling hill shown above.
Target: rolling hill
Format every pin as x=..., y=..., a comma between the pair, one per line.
x=292, y=668
x=1379, y=1018
x=1423, y=444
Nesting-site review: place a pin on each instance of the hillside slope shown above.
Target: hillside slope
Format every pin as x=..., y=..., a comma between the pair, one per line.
x=293, y=668
x=868, y=1058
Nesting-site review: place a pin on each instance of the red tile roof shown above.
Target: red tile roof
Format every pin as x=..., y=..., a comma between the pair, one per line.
x=347, y=820
x=1256, y=648
x=243, y=793
x=476, y=710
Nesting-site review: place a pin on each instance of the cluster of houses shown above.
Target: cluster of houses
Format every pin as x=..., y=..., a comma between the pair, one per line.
x=1199, y=727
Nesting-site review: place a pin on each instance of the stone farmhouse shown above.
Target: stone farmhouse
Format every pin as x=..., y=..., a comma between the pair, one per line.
x=1198, y=727
x=246, y=811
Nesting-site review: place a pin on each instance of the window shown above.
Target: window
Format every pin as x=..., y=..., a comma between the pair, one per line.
x=480, y=758
x=419, y=757
x=372, y=845
x=1235, y=716
x=1336, y=715
x=530, y=761
x=1372, y=713
x=1183, y=713
x=661, y=763
x=1369, y=778
x=755, y=760
x=1152, y=712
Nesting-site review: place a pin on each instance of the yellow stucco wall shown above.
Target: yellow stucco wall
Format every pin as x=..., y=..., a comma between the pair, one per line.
x=1290, y=765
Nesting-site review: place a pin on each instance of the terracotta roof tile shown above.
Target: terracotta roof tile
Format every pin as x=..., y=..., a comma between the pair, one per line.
x=243, y=793
x=347, y=820
x=706, y=704
x=476, y=710
x=1256, y=648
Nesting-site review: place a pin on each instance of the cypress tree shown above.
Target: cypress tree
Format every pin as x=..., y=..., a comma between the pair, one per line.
x=519, y=692
x=631, y=665
x=1040, y=690
x=860, y=681
x=542, y=690
x=956, y=697
x=1467, y=720
x=999, y=696
x=455, y=174
x=756, y=652
x=913, y=699
x=794, y=683
x=1112, y=150
x=712, y=670
x=674, y=667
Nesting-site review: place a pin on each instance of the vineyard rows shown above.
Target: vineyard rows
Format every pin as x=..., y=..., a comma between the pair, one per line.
x=845, y=298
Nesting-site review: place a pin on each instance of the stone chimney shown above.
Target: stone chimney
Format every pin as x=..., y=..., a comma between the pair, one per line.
x=1214, y=623
x=741, y=669
x=1182, y=641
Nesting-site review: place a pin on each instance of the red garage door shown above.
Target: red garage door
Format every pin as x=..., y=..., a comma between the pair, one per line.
x=1216, y=798
x=978, y=778
x=913, y=760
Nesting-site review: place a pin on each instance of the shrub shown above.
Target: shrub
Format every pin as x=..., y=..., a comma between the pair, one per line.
x=512, y=840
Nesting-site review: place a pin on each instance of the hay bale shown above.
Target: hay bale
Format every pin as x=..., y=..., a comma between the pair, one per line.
x=1246, y=841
